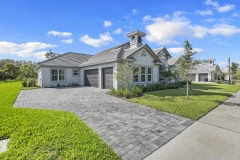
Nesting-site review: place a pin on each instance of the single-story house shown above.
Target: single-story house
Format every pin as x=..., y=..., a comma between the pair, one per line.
x=204, y=71
x=99, y=70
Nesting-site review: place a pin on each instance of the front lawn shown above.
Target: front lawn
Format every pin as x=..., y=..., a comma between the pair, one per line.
x=46, y=134
x=216, y=87
x=201, y=101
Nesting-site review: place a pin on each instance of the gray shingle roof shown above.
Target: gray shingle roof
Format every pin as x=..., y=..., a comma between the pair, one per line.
x=172, y=61
x=114, y=54
x=70, y=59
x=158, y=52
x=203, y=68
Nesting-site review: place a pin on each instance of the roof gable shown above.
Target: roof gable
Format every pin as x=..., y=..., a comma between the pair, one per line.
x=135, y=50
x=161, y=52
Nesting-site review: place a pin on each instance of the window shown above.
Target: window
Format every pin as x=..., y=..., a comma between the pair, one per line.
x=135, y=74
x=143, y=74
x=57, y=75
x=61, y=75
x=75, y=72
x=149, y=75
x=54, y=73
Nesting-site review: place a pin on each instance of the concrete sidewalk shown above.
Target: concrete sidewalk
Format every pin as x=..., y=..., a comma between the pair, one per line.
x=215, y=136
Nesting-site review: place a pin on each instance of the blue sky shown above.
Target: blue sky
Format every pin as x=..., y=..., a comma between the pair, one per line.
x=30, y=28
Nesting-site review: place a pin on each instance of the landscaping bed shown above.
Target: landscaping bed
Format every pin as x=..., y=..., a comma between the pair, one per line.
x=46, y=134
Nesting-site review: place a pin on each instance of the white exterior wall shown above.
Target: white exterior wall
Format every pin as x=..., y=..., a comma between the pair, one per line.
x=100, y=76
x=40, y=77
x=145, y=59
x=197, y=77
x=44, y=77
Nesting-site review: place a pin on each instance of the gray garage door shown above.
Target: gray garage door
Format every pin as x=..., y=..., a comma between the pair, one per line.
x=108, y=78
x=203, y=77
x=91, y=78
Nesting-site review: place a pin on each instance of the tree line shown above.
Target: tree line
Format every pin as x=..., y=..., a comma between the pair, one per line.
x=20, y=70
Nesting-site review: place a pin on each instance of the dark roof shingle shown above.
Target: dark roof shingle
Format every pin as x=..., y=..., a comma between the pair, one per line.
x=70, y=59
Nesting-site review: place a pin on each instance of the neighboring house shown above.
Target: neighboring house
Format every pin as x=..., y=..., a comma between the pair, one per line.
x=62, y=70
x=204, y=71
x=173, y=64
x=100, y=70
x=164, y=56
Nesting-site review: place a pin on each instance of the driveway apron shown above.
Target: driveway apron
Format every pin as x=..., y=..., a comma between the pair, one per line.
x=132, y=130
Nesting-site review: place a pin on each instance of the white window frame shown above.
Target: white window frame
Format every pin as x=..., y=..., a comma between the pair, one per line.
x=139, y=74
x=143, y=74
x=149, y=74
x=55, y=74
x=136, y=74
x=59, y=79
x=73, y=73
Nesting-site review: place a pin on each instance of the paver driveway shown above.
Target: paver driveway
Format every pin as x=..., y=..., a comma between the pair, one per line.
x=132, y=130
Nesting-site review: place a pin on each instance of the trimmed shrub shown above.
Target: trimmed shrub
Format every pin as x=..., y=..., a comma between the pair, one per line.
x=219, y=81
x=24, y=83
x=133, y=91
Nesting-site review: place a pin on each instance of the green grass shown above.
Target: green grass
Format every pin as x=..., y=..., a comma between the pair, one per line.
x=216, y=87
x=46, y=134
x=201, y=101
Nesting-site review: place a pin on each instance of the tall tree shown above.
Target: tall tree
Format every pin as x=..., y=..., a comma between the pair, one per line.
x=10, y=71
x=233, y=69
x=220, y=73
x=238, y=74
x=27, y=71
x=50, y=54
x=186, y=64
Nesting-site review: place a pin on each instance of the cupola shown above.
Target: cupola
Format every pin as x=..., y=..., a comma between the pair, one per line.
x=136, y=38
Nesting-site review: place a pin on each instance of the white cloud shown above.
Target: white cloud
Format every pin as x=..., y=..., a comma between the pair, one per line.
x=212, y=3
x=180, y=50
x=236, y=15
x=29, y=49
x=224, y=30
x=118, y=31
x=198, y=50
x=226, y=8
x=164, y=30
x=198, y=31
x=59, y=34
x=67, y=41
x=134, y=11
x=204, y=12
x=147, y=18
x=221, y=9
x=107, y=23
x=104, y=39
x=177, y=50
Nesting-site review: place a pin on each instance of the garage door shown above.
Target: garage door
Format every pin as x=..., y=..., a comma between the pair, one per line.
x=91, y=78
x=108, y=78
x=203, y=77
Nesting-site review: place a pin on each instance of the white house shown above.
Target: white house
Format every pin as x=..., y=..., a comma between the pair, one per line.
x=204, y=71
x=99, y=70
